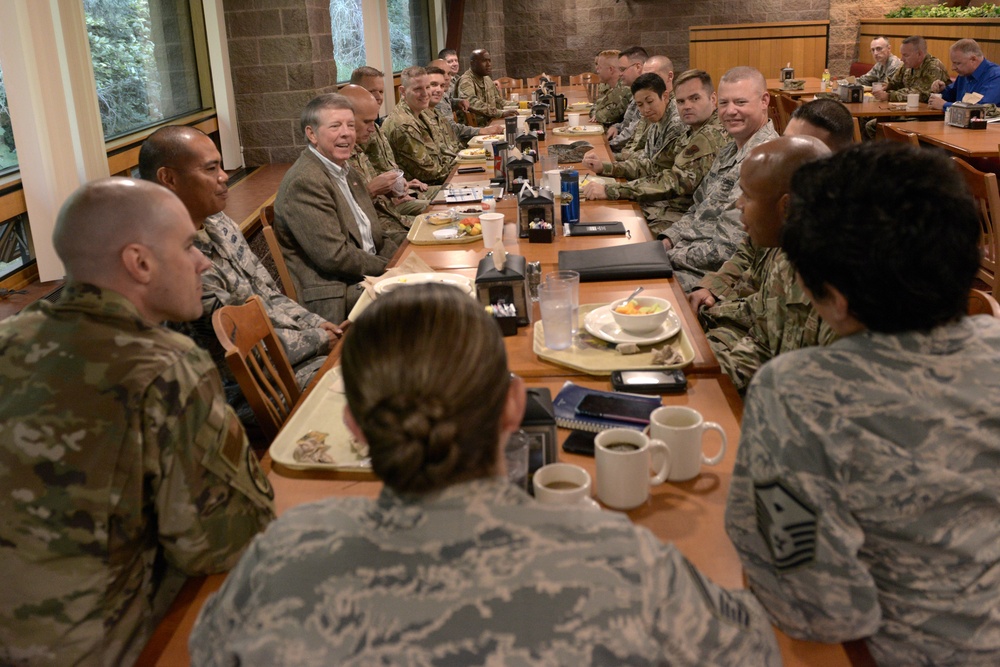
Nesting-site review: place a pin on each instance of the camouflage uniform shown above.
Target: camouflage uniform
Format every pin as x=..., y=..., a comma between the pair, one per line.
x=865, y=501
x=395, y=225
x=236, y=275
x=463, y=132
x=881, y=71
x=610, y=107
x=485, y=101
x=380, y=155
x=664, y=179
x=123, y=471
x=637, y=144
x=626, y=128
x=709, y=232
x=767, y=312
x=417, y=154
x=905, y=81
x=476, y=574
x=444, y=137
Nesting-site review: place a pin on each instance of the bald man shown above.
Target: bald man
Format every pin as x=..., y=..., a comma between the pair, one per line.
x=476, y=86
x=380, y=186
x=123, y=469
x=752, y=308
x=186, y=161
x=635, y=144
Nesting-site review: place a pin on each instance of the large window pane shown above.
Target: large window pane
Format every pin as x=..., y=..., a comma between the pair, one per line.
x=144, y=62
x=409, y=34
x=8, y=153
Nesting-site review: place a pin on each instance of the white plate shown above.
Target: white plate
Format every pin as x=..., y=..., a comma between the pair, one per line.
x=479, y=139
x=601, y=323
x=466, y=211
x=455, y=279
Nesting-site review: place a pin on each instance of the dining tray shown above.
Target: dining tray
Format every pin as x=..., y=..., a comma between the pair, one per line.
x=597, y=357
x=422, y=233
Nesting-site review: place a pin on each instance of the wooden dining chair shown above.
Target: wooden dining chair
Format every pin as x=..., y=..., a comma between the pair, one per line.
x=582, y=78
x=858, y=138
x=983, y=187
x=775, y=114
x=895, y=134
x=258, y=361
x=786, y=107
x=981, y=303
x=535, y=81
x=267, y=229
x=507, y=84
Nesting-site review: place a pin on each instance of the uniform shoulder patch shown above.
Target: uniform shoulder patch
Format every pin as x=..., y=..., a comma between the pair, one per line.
x=787, y=523
x=692, y=149
x=723, y=603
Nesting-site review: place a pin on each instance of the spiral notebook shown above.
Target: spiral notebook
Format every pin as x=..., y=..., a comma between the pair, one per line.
x=569, y=397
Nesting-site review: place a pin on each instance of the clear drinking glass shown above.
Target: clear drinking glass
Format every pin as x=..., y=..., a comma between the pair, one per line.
x=556, y=305
x=571, y=278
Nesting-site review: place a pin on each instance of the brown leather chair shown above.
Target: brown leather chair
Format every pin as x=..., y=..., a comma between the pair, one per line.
x=258, y=361
x=267, y=228
x=983, y=187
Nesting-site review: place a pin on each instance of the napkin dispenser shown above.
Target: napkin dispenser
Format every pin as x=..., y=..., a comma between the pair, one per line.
x=507, y=285
x=535, y=206
x=961, y=114
x=787, y=73
x=852, y=93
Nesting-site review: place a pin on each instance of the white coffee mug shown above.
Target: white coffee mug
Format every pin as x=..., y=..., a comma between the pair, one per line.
x=561, y=484
x=624, y=458
x=573, y=118
x=912, y=100
x=492, y=226
x=683, y=429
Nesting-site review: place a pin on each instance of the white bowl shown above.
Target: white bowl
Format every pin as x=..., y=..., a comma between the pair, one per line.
x=639, y=324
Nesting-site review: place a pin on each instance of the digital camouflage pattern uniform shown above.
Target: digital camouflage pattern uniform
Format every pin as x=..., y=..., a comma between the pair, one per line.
x=122, y=470
x=417, y=154
x=906, y=80
x=395, y=225
x=626, y=128
x=236, y=275
x=709, y=232
x=637, y=144
x=609, y=108
x=765, y=312
x=485, y=101
x=664, y=179
x=478, y=573
x=380, y=155
x=865, y=501
x=881, y=71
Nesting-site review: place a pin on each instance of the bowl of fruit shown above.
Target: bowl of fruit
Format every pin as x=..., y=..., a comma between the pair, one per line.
x=643, y=314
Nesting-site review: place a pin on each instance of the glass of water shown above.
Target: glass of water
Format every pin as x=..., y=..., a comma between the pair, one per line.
x=556, y=304
x=571, y=278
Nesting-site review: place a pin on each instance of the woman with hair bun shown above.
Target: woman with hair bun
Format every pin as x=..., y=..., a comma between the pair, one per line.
x=452, y=564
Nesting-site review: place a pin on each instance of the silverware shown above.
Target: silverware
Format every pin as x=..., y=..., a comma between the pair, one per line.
x=633, y=294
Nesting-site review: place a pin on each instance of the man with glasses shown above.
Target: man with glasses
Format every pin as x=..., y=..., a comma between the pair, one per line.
x=976, y=74
x=630, y=63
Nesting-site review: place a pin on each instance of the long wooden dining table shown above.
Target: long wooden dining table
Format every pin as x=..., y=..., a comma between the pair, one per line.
x=960, y=141
x=689, y=514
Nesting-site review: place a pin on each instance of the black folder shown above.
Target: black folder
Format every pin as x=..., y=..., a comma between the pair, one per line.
x=631, y=261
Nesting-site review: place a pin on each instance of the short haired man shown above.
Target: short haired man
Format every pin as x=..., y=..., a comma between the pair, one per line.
x=709, y=232
x=413, y=143
x=827, y=120
x=630, y=63
x=635, y=144
x=123, y=469
x=476, y=86
x=865, y=501
x=450, y=56
x=328, y=229
x=886, y=64
x=380, y=186
x=976, y=74
x=917, y=75
x=609, y=107
x=440, y=105
x=753, y=308
x=373, y=81
x=186, y=162
x=664, y=177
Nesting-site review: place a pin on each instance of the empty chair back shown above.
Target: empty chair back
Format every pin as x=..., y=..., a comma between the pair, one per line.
x=258, y=361
x=981, y=303
x=983, y=187
x=895, y=134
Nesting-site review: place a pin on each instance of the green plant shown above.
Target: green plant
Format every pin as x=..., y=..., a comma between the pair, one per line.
x=943, y=11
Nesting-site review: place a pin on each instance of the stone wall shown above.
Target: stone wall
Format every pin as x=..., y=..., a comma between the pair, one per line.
x=280, y=54
x=483, y=28
x=844, y=29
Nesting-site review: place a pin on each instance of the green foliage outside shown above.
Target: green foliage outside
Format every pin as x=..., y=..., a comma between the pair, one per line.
x=349, y=35
x=944, y=12
x=8, y=153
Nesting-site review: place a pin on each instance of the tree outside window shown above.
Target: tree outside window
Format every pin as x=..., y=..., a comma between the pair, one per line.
x=409, y=34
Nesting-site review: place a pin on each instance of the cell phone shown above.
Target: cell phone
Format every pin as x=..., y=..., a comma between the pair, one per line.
x=623, y=408
x=471, y=170
x=580, y=442
x=649, y=382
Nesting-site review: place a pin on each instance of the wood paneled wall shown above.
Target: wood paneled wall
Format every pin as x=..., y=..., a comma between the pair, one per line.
x=939, y=33
x=766, y=46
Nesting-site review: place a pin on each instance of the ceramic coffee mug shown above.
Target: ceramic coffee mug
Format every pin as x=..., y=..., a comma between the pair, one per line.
x=683, y=430
x=561, y=484
x=624, y=457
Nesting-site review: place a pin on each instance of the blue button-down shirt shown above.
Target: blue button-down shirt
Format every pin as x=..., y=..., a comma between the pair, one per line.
x=985, y=81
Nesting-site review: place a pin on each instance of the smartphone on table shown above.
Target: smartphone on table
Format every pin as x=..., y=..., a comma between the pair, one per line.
x=649, y=382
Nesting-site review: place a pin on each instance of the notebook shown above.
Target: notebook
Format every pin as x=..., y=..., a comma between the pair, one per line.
x=570, y=396
x=632, y=261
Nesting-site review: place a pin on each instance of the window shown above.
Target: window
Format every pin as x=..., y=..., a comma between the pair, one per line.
x=409, y=34
x=144, y=63
x=8, y=153
x=16, y=248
